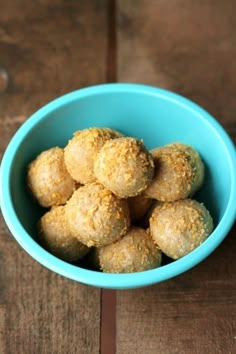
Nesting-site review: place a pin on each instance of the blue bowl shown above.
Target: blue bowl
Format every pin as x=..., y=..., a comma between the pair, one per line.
x=159, y=117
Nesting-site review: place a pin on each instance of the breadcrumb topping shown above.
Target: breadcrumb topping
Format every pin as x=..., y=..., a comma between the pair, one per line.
x=135, y=252
x=82, y=150
x=48, y=178
x=179, y=227
x=96, y=216
x=55, y=236
x=124, y=166
x=179, y=172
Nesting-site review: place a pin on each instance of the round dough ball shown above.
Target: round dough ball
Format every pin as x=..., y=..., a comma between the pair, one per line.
x=82, y=149
x=179, y=173
x=124, y=166
x=179, y=227
x=55, y=236
x=96, y=216
x=135, y=252
x=48, y=178
x=138, y=207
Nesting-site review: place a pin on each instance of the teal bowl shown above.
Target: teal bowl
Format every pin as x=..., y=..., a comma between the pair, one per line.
x=156, y=115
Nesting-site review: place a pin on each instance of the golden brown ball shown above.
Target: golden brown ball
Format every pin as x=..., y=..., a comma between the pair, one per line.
x=96, y=216
x=48, y=178
x=55, y=236
x=179, y=172
x=135, y=252
x=82, y=149
x=124, y=166
x=179, y=227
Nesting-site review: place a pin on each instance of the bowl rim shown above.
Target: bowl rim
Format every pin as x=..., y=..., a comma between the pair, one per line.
x=110, y=280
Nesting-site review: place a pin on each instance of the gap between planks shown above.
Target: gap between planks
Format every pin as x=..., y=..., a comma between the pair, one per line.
x=108, y=297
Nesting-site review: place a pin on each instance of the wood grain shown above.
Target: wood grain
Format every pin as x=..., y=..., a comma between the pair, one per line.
x=193, y=313
x=187, y=47
x=108, y=297
x=48, y=48
x=51, y=48
x=108, y=322
x=46, y=313
x=2, y=328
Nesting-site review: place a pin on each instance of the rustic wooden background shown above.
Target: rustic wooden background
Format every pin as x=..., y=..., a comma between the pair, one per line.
x=48, y=48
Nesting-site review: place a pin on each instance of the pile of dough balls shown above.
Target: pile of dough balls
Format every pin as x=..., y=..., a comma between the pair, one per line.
x=111, y=201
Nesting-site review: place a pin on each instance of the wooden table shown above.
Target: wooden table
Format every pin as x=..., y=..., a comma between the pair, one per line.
x=51, y=47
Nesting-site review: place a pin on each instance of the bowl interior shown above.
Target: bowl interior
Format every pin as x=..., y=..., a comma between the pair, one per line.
x=157, y=117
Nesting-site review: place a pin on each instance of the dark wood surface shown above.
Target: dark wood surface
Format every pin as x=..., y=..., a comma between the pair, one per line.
x=52, y=47
x=48, y=48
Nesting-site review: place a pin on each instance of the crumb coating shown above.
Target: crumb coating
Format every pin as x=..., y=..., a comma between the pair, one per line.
x=48, y=178
x=55, y=236
x=82, y=149
x=96, y=216
x=124, y=166
x=135, y=252
x=179, y=172
x=179, y=227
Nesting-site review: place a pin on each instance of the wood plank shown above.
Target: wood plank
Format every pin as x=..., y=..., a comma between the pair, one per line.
x=47, y=49
x=46, y=313
x=108, y=322
x=193, y=313
x=187, y=47
x=50, y=48
x=108, y=297
x=2, y=329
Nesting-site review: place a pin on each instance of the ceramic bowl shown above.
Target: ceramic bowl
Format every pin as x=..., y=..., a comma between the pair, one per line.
x=153, y=114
